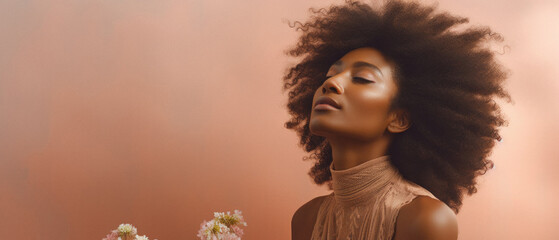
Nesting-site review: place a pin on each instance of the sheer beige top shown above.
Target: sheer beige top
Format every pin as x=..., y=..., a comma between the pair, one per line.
x=365, y=202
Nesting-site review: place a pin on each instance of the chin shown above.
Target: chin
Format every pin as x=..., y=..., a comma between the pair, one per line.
x=319, y=128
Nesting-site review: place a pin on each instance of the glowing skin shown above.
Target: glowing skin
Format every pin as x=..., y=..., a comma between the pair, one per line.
x=359, y=127
x=362, y=84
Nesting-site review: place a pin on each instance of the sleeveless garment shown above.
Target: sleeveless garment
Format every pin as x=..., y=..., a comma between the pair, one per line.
x=365, y=202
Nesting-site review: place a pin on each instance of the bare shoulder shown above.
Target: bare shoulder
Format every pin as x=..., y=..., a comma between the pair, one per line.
x=304, y=218
x=426, y=218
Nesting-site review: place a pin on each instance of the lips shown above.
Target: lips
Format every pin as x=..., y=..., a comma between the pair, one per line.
x=328, y=101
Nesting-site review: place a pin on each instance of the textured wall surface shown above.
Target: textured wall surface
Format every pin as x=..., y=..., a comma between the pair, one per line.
x=159, y=113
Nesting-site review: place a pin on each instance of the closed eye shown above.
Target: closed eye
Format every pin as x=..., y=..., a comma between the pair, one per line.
x=362, y=80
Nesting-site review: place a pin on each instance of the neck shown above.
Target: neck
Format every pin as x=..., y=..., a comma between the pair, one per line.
x=350, y=153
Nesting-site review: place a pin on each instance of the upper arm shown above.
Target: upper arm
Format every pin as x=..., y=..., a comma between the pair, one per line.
x=426, y=219
x=304, y=218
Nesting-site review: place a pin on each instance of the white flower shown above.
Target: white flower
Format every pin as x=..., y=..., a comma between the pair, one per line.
x=127, y=229
x=223, y=228
x=219, y=214
x=141, y=237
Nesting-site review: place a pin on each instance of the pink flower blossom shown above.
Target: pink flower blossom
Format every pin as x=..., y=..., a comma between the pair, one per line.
x=224, y=226
x=112, y=236
x=125, y=232
x=237, y=230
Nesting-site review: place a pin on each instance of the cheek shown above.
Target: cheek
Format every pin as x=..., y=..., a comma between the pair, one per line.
x=369, y=113
x=372, y=105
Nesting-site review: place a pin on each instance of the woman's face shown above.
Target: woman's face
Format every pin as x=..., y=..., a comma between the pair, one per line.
x=354, y=100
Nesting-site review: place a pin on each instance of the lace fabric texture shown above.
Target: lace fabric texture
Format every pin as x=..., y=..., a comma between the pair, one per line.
x=365, y=202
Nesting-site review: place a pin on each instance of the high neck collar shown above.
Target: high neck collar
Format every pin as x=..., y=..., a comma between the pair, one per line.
x=360, y=183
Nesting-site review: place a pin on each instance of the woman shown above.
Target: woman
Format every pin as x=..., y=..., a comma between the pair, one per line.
x=396, y=107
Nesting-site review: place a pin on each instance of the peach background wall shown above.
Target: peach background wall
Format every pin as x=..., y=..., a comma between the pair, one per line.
x=159, y=113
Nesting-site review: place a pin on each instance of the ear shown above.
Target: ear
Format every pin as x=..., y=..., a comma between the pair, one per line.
x=399, y=121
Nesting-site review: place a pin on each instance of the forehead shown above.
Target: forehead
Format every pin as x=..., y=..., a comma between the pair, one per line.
x=366, y=54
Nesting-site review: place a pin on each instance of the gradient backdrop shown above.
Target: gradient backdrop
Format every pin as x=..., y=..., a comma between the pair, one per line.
x=160, y=112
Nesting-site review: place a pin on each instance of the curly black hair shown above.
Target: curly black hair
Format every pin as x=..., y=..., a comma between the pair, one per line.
x=447, y=78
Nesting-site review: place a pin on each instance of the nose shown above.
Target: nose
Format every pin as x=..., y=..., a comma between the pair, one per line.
x=332, y=85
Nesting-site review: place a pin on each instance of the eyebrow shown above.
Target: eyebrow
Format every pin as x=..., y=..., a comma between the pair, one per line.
x=361, y=64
